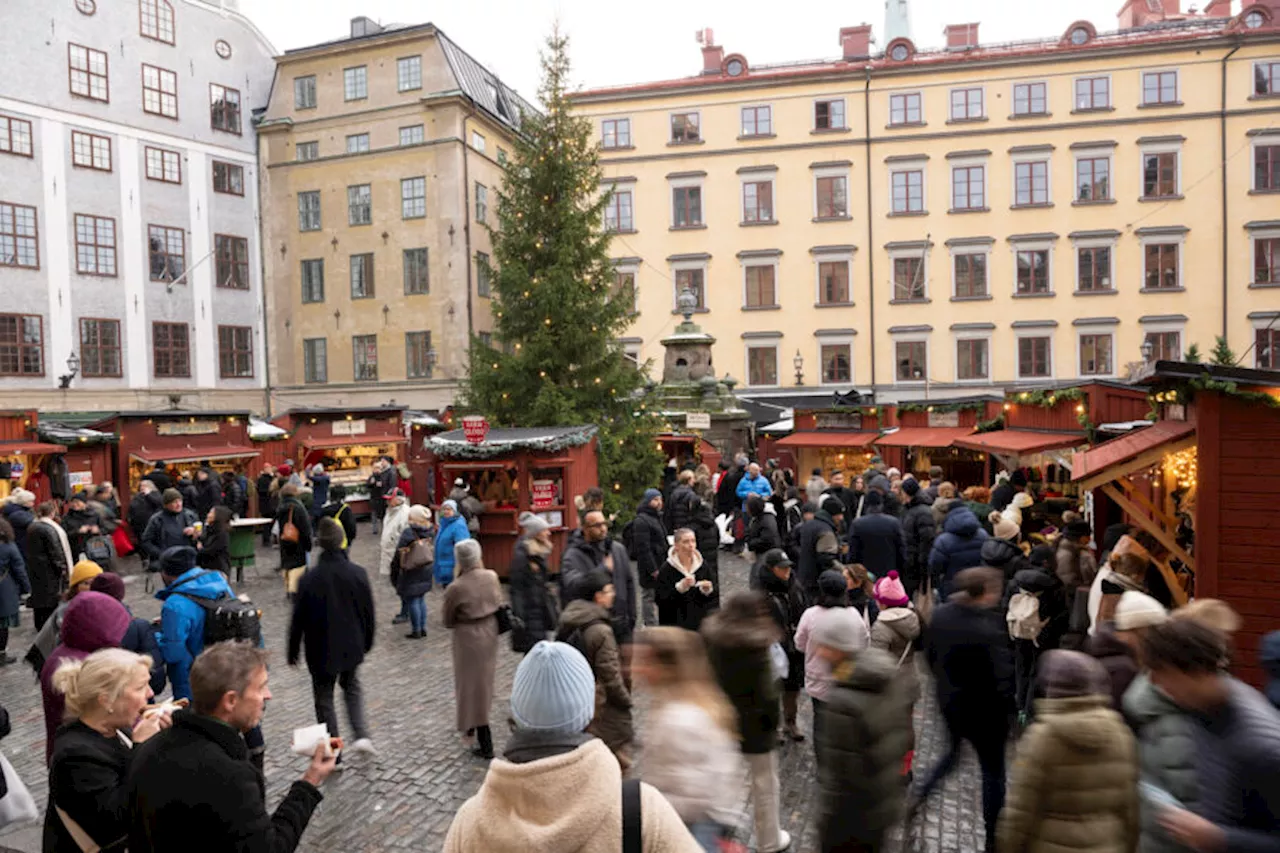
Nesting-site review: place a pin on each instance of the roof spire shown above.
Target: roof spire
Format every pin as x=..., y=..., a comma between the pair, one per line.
x=897, y=20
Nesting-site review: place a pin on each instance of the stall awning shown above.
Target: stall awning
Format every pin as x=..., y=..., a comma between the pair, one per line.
x=1015, y=441
x=29, y=448
x=352, y=441
x=1128, y=453
x=212, y=453
x=828, y=438
x=924, y=437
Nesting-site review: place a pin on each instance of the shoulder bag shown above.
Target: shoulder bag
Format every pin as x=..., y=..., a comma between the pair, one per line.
x=289, y=533
x=417, y=554
x=17, y=805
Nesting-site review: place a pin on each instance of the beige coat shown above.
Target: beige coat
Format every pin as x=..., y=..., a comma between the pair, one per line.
x=393, y=524
x=470, y=603
x=569, y=803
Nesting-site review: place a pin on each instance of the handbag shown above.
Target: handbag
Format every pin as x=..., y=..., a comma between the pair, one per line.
x=16, y=806
x=779, y=661
x=506, y=619
x=122, y=541
x=290, y=533
x=416, y=555
x=924, y=601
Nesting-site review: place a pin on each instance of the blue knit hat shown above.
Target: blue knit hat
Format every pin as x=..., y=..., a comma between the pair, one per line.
x=554, y=690
x=649, y=494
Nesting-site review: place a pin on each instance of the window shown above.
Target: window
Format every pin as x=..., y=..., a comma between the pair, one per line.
x=684, y=127
x=355, y=83
x=695, y=281
x=224, y=108
x=413, y=135
x=484, y=274
x=762, y=365
x=1093, y=179
x=905, y=109
x=909, y=357
x=360, y=205
x=235, y=352
x=1165, y=346
x=829, y=115
x=1266, y=344
x=413, y=198
x=971, y=275
x=88, y=71
x=307, y=151
x=1031, y=183
x=159, y=92
x=417, y=277
x=357, y=143
x=966, y=104
x=1093, y=93
x=228, y=178
x=19, y=237
x=21, y=345
x=1266, y=167
x=1093, y=269
x=482, y=202
x=757, y=121
x=15, y=136
x=170, y=350
x=908, y=192
x=971, y=359
x=166, y=252
x=313, y=280
x=364, y=349
x=615, y=133
x=502, y=156
x=1160, y=175
x=90, y=151
x=1030, y=99
x=232, y=261
x=617, y=212
x=908, y=279
x=1095, y=355
x=95, y=245
x=477, y=141
x=757, y=201
x=686, y=203
x=967, y=188
x=309, y=211
x=157, y=20
x=417, y=359
x=1033, y=357
x=1266, y=260
x=315, y=360
x=1161, y=266
x=837, y=363
x=408, y=73
x=760, y=286
x=304, y=92
x=1159, y=87
x=99, y=347
x=1266, y=78
x=362, y=276
x=164, y=165
x=624, y=287
x=1032, y=272
x=833, y=197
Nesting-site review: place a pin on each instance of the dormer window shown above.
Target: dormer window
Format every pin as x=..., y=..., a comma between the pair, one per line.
x=1079, y=35
x=1254, y=19
x=899, y=53
x=735, y=67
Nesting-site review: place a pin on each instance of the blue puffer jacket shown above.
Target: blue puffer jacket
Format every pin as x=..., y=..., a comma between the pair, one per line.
x=182, y=623
x=959, y=546
x=452, y=531
x=13, y=579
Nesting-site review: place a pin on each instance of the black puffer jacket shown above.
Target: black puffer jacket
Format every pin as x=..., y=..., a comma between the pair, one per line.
x=1004, y=555
x=649, y=544
x=679, y=507
x=704, y=528
x=141, y=508
x=786, y=605
x=762, y=533
x=47, y=567
x=918, y=531
x=531, y=597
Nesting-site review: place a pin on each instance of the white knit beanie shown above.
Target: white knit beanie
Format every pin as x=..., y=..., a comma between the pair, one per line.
x=1138, y=610
x=554, y=690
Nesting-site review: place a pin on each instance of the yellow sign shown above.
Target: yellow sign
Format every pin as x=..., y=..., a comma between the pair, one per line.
x=187, y=428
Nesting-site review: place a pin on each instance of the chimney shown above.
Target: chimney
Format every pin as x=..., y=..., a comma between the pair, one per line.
x=712, y=54
x=1138, y=13
x=362, y=26
x=855, y=42
x=961, y=36
x=1218, y=9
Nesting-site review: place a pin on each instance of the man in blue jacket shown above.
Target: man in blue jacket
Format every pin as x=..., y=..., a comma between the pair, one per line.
x=753, y=483
x=181, y=619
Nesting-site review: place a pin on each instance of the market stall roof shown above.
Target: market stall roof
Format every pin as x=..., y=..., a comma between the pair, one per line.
x=349, y=440
x=828, y=438
x=1015, y=441
x=923, y=436
x=1124, y=426
x=63, y=434
x=785, y=425
x=29, y=448
x=263, y=431
x=211, y=453
x=345, y=410
x=1131, y=452
x=503, y=440
x=422, y=419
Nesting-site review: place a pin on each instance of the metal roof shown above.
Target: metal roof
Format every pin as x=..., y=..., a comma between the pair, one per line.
x=483, y=86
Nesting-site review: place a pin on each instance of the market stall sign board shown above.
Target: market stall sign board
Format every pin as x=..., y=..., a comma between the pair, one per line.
x=475, y=428
x=944, y=419
x=697, y=420
x=838, y=420
x=544, y=494
x=187, y=428
x=350, y=427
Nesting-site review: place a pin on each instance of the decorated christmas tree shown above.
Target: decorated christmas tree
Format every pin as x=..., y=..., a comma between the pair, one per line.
x=555, y=360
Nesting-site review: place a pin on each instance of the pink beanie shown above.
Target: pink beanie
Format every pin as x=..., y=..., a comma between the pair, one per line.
x=888, y=591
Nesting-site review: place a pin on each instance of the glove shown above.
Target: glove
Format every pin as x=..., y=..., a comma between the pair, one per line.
x=684, y=584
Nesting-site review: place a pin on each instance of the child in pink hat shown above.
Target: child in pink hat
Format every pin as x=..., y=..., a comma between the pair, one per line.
x=895, y=631
x=889, y=592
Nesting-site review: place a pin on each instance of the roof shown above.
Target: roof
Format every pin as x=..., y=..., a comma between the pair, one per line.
x=61, y=434
x=1222, y=373
x=483, y=86
x=209, y=453
x=264, y=431
x=828, y=438
x=1017, y=441
x=345, y=410
x=923, y=436
x=1121, y=455
x=29, y=448
x=503, y=440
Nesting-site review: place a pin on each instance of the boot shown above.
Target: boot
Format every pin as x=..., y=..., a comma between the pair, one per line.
x=790, y=707
x=484, y=747
x=764, y=801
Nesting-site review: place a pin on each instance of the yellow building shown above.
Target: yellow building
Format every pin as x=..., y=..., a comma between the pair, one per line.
x=380, y=156
x=935, y=223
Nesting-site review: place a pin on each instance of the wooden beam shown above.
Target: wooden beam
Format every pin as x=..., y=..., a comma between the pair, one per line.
x=1142, y=460
x=1131, y=491
x=1162, y=536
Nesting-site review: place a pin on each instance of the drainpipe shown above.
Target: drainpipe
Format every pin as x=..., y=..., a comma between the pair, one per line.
x=871, y=250
x=466, y=224
x=1222, y=129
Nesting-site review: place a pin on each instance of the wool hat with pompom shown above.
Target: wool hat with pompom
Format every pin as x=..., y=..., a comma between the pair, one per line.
x=889, y=592
x=554, y=690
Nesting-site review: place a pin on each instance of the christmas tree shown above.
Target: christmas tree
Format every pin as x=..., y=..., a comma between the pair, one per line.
x=557, y=313
x=1222, y=353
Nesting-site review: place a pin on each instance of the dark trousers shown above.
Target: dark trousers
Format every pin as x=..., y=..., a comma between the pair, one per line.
x=42, y=615
x=352, y=696
x=4, y=638
x=988, y=737
x=1026, y=654
x=817, y=725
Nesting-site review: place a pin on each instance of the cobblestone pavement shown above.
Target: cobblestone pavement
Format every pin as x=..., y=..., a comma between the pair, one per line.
x=405, y=797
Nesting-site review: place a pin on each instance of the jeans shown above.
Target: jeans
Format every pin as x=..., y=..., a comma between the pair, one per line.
x=988, y=737
x=417, y=612
x=648, y=607
x=352, y=696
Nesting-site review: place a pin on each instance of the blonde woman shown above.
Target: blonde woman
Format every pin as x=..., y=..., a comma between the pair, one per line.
x=691, y=750
x=88, y=801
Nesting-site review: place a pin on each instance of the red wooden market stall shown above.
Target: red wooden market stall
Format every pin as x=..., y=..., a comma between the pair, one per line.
x=346, y=442
x=25, y=460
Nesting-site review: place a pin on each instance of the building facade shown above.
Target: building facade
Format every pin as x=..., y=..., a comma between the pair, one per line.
x=942, y=223
x=381, y=155
x=128, y=205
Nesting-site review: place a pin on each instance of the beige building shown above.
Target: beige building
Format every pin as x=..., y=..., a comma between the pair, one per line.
x=380, y=156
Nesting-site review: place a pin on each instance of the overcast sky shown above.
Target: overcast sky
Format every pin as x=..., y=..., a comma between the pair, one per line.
x=628, y=42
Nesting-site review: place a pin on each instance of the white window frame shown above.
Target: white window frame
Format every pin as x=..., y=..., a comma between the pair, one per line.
x=896, y=338
x=761, y=261
x=633, y=268
x=1013, y=98
x=1177, y=87
x=699, y=264
x=1029, y=246
x=478, y=141
x=820, y=258
x=299, y=147
x=1145, y=240
x=758, y=177
x=971, y=335
x=1173, y=146
x=832, y=172
x=1050, y=332
x=1045, y=156
x=966, y=88
x=357, y=89
x=1254, y=237
x=400, y=82
x=413, y=130
x=905, y=122
x=354, y=143
x=844, y=111
x=832, y=339
x=1111, y=92
x=762, y=343
x=1091, y=243
x=972, y=249
x=1267, y=139
x=1098, y=329
x=923, y=255
x=920, y=165
x=685, y=182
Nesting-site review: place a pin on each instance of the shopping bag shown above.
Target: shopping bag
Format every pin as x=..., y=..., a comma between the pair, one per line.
x=121, y=539
x=17, y=806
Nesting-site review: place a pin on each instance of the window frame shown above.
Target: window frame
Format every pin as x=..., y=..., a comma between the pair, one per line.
x=1159, y=347
x=160, y=7
x=227, y=248
x=911, y=342
x=913, y=264
x=481, y=202
x=1093, y=105
x=1024, y=102
x=1160, y=178
x=1267, y=150
x=8, y=136
x=835, y=211
x=968, y=183
x=413, y=205
x=356, y=204
x=830, y=125
x=906, y=175
x=355, y=87
x=96, y=247
x=311, y=285
x=616, y=129
x=313, y=373
x=966, y=93
x=20, y=240
x=616, y=207
x=305, y=224
x=164, y=154
x=1047, y=266
x=626, y=273
x=1271, y=347
x=400, y=75
x=968, y=278
x=92, y=140
x=1160, y=74
x=232, y=114
x=422, y=343
x=421, y=133
x=308, y=86
x=1266, y=255
x=411, y=284
x=1271, y=75
x=21, y=348
x=1096, y=338
x=755, y=111
x=758, y=265
x=1037, y=197
x=756, y=199
x=158, y=91
x=311, y=146
x=478, y=141
x=901, y=107
x=359, y=343
x=357, y=143
x=171, y=350
x=164, y=234
x=484, y=274
x=87, y=367
x=1033, y=337
x=971, y=340
x=685, y=270
x=89, y=74
x=364, y=262
x=1161, y=247
x=684, y=138
x=236, y=352
x=688, y=206
x=1092, y=161
x=1097, y=274
x=761, y=347
x=834, y=343
x=228, y=169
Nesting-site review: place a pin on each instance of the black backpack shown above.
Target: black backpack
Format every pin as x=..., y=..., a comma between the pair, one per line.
x=629, y=538
x=228, y=618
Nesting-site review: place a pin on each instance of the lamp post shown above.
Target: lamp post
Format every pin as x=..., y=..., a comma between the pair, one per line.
x=798, y=363
x=73, y=368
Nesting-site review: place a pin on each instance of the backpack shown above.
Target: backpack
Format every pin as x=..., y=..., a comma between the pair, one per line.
x=228, y=618
x=1023, y=617
x=629, y=538
x=98, y=549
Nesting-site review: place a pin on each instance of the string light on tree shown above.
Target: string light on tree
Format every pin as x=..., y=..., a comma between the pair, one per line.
x=1183, y=467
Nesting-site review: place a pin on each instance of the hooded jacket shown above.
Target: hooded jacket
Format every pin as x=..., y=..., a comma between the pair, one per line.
x=164, y=531
x=1053, y=609
x=1269, y=657
x=1076, y=565
x=1117, y=659
x=959, y=546
x=141, y=508
x=787, y=604
x=648, y=544
x=682, y=609
x=876, y=541
x=1166, y=756
x=967, y=647
x=739, y=655
x=918, y=532
x=896, y=630
x=182, y=623
x=586, y=625
x=19, y=518
x=819, y=546
x=757, y=485
x=333, y=616
x=452, y=531
x=394, y=520
x=531, y=597
x=1074, y=782
x=762, y=532
x=1004, y=555
x=679, y=506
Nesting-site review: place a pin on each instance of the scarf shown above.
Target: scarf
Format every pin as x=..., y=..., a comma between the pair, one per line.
x=62, y=538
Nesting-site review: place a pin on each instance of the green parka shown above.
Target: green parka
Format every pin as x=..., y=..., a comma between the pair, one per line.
x=1166, y=757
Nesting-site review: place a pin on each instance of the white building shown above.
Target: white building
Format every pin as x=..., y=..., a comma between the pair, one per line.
x=128, y=205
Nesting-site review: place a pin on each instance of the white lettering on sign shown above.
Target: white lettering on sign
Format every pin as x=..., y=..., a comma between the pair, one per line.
x=944, y=419
x=350, y=427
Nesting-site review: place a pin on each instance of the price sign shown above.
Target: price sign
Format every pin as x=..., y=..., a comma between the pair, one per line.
x=697, y=420
x=475, y=428
x=544, y=494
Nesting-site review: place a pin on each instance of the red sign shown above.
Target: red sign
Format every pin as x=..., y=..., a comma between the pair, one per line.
x=475, y=428
x=544, y=494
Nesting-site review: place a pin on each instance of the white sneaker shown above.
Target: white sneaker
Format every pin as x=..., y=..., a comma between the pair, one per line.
x=363, y=745
x=784, y=843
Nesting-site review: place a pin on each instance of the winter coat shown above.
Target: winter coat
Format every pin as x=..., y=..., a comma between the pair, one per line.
x=215, y=548
x=159, y=478
x=342, y=514
x=1053, y=609
x=819, y=547
x=787, y=603
x=1001, y=495
x=13, y=581
x=876, y=541
x=263, y=486
x=579, y=558
x=679, y=506
x=182, y=623
x=727, y=491
x=569, y=800
x=532, y=596
x=416, y=582
x=1076, y=565
x=1004, y=555
x=293, y=555
x=692, y=761
x=76, y=519
x=93, y=620
x=190, y=495
x=739, y=655
x=1118, y=660
x=918, y=532
x=983, y=512
x=19, y=518
x=1074, y=783
x=140, y=638
x=762, y=532
x=684, y=609
x=193, y=787
x=208, y=494
x=87, y=774
x=394, y=520
x=757, y=485
x=320, y=489
x=940, y=508
x=864, y=735
x=896, y=630
x=707, y=534
x=47, y=568
x=233, y=497
x=1269, y=657
x=817, y=672
x=452, y=530
x=967, y=648
x=469, y=608
x=141, y=508
x=814, y=487
x=586, y=626
x=959, y=547
x=164, y=531
x=648, y=544
x=1166, y=757
x=582, y=557
x=333, y=615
